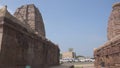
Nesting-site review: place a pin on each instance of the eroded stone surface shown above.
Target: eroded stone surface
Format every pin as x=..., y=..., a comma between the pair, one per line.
x=109, y=53
x=31, y=16
x=22, y=46
x=114, y=22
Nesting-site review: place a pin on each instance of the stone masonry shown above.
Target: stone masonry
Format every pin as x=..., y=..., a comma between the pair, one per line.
x=31, y=16
x=23, y=42
x=114, y=22
x=109, y=53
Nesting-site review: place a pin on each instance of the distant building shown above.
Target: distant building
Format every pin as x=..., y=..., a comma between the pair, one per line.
x=68, y=55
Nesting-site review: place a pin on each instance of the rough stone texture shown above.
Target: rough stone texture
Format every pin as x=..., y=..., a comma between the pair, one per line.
x=21, y=46
x=109, y=53
x=31, y=16
x=114, y=22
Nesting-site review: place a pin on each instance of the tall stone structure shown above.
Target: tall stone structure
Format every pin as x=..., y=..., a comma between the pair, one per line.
x=31, y=16
x=114, y=22
x=109, y=53
x=23, y=42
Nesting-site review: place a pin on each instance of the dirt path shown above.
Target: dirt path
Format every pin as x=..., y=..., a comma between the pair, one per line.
x=61, y=66
x=84, y=66
x=76, y=65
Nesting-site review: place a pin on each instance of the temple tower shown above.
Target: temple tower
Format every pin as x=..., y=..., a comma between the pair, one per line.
x=31, y=16
x=114, y=22
x=22, y=42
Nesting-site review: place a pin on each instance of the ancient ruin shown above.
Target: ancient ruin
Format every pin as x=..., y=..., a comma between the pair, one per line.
x=109, y=53
x=23, y=41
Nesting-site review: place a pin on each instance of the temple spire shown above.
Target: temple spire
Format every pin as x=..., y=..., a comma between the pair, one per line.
x=30, y=15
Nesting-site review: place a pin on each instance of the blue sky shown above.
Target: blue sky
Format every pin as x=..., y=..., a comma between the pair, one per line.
x=78, y=24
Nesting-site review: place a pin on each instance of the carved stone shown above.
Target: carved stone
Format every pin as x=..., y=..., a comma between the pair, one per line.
x=20, y=45
x=109, y=53
x=31, y=16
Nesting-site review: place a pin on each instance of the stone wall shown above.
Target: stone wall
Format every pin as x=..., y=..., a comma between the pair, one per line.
x=21, y=46
x=108, y=54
